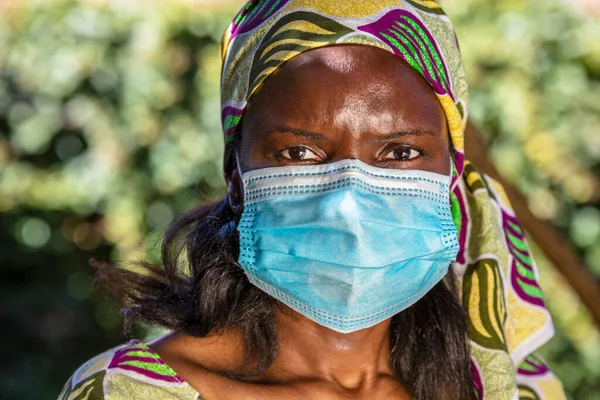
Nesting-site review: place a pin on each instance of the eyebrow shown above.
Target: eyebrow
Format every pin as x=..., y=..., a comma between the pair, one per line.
x=409, y=132
x=319, y=136
x=295, y=131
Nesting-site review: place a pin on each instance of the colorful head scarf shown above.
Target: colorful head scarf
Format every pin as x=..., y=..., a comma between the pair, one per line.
x=498, y=278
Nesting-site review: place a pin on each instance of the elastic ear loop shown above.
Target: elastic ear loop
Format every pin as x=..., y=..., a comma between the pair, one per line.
x=237, y=166
x=240, y=173
x=452, y=171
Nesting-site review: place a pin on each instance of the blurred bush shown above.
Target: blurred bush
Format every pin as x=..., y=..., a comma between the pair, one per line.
x=534, y=75
x=109, y=126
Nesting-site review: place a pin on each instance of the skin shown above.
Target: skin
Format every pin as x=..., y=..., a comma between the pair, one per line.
x=325, y=105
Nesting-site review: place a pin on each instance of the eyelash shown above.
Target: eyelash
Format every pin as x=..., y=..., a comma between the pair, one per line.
x=397, y=147
x=278, y=156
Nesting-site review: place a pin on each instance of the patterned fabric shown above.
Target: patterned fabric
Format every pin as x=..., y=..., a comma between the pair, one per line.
x=128, y=372
x=498, y=278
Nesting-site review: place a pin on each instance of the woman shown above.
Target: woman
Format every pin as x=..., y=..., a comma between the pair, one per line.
x=357, y=254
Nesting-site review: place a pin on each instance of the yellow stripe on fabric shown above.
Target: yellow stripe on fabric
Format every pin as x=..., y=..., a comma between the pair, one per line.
x=299, y=42
x=550, y=388
x=254, y=87
x=455, y=122
x=474, y=301
x=303, y=26
x=279, y=56
x=472, y=177
x=225, y=40
x=525, y=322
x=501, y=193
x=343, y=8
x=494, y=298
x=501, y=302
x=428, y=3
x=78, y=393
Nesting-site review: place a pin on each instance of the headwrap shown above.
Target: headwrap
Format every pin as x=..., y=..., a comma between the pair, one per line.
x=497, y=276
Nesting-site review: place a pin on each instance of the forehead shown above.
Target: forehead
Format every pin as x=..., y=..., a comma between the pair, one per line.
x=347, y=87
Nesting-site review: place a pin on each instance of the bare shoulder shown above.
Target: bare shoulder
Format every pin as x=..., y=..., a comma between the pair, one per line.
x=220, y=353
x=204, y=363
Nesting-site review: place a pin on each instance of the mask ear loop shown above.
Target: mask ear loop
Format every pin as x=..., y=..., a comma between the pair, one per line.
x=452, y=170
x=455, y=270
x=237, y=209
x=239, y=169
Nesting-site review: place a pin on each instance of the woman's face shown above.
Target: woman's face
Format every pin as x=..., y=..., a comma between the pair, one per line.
x=342, y=102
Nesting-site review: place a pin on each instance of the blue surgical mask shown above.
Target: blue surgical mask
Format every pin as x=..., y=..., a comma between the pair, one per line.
x=346, y=244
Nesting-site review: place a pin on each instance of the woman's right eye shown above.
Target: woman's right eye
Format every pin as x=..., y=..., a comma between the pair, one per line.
x=299, y=153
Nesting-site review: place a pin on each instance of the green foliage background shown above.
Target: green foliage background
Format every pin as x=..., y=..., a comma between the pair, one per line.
x=109, y=126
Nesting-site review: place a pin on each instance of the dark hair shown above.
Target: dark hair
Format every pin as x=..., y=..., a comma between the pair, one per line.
x=201, y=289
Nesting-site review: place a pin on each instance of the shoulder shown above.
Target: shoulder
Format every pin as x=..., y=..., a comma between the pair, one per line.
x=128, y=371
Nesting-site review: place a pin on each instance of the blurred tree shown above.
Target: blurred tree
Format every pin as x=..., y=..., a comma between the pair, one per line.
x=534, y=74
x=109, y=125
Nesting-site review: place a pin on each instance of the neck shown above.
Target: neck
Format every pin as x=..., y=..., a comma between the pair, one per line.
x=309, y=350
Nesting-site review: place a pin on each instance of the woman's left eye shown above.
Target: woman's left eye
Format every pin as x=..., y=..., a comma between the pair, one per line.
x=403, y=153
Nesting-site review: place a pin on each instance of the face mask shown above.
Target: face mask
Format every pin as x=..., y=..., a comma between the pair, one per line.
x=346, y=244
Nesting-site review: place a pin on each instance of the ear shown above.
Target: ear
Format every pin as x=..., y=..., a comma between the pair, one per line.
x=235, y=191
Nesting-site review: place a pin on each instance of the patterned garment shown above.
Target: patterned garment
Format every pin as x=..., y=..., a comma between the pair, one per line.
x=498, y=278
x=128, y=372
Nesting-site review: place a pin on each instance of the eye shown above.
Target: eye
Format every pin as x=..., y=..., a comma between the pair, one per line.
x=299, y=153
x=402, y=153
